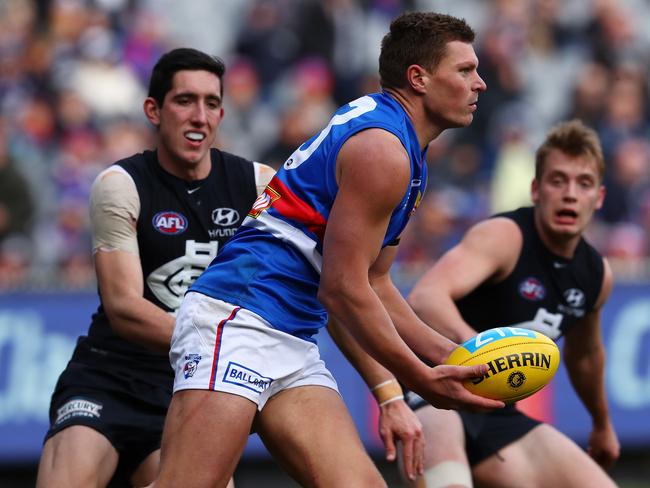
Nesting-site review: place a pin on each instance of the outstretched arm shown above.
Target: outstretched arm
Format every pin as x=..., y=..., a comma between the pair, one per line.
x=488, y=252
x=584, y=356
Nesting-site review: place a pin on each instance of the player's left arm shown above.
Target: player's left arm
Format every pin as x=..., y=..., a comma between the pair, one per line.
x=397, y=422
x=584, y=356
x=406, y=321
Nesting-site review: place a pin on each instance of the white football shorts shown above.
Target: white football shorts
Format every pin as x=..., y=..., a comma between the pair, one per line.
x=223, y=347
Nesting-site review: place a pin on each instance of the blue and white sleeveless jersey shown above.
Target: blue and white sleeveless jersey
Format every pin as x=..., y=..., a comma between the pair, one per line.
x=272, y=264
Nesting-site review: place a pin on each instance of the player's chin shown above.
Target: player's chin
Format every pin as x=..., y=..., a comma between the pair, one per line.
x=192, y=158
x=463, y=121
x=568, y=230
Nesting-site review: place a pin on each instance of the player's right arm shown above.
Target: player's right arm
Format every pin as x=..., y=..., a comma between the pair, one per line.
x=584, y=358
x=114, y=210
x=373, y=172
x=488, y=252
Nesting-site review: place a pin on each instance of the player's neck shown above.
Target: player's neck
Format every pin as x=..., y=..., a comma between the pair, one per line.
x=424, y=129
x=560, y=245
x=183, y=169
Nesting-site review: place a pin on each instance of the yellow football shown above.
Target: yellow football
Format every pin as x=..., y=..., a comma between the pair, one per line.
x=520, y=361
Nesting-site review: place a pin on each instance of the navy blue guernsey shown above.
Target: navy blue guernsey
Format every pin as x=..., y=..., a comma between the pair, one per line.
x=181, y=227
x=544, y=292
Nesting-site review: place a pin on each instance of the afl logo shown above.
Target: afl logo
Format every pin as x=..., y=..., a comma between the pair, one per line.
x=225, y=216
x=170, y=223
x=574, y=297
x=532, y=289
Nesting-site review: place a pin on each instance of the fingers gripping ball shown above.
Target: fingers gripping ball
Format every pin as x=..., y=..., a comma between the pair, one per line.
x=520, y=361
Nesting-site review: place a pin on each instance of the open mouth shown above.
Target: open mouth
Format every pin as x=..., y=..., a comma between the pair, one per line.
x=195, y=137
x=566, y=216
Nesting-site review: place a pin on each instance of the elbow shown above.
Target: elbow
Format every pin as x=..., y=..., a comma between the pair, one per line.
x=328, y=295
x=338, y=293
x=116, y=308
x=417, y=300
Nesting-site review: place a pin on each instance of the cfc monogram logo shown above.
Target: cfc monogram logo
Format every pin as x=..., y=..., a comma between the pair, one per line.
x=574, y=297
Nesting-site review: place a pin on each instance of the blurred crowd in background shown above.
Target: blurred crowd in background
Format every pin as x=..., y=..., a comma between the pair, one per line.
x=74, y=73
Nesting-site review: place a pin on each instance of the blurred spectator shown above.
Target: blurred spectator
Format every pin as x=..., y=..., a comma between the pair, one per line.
x=350, y=49
x=589, y=94
x=500, y=51
x=249, y=126
x=297, y=124
x=612, y=33
x=625, y=109
x=72, y=72
x=627, y=181
x=15, y=260
x=514, y=166
x=16, y=200
x=266, y=39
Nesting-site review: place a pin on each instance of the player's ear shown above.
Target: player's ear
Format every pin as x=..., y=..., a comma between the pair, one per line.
x=151, y=110
x=417, y=77
x=601, y=196
x=534, y=190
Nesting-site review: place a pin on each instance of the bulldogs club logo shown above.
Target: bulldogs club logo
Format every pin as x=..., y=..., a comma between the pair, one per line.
x=191, y=364
x=264, y=201
x=169, y=223
x=532, y=289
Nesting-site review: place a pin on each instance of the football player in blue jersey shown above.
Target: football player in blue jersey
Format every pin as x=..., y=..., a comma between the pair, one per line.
x=484, y=282
x=319, y=242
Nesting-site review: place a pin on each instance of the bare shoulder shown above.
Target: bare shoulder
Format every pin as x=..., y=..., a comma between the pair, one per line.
x=498, y=233
x=498, y=239
x=374, y=159
x=377, y=144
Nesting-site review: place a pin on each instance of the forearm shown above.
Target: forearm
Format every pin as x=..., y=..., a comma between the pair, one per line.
x=372, y=372
x=138, y=320
x=361, y=313
x=439, y=311
x=587, y=375
x=422, y=339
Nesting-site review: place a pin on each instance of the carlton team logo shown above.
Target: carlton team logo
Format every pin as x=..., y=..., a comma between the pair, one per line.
x=516, y=379
x=532, y=289
x=170, y=223
x=574, y=297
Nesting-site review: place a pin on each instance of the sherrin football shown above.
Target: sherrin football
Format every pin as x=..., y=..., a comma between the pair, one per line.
x=520, y=361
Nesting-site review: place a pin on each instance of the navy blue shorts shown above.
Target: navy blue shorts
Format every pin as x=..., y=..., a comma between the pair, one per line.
x=129, y=412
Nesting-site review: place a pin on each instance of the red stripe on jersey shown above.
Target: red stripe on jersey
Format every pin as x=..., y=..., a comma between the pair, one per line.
x=294, y=208
x=217, y=346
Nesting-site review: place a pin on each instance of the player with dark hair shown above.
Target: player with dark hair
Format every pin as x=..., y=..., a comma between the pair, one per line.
x=158, y=219
x=320, y=241
x=527, y=268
